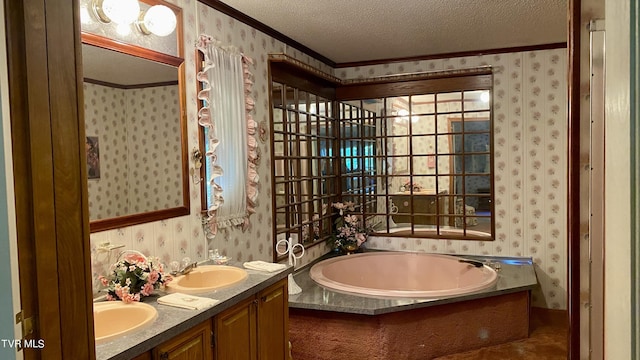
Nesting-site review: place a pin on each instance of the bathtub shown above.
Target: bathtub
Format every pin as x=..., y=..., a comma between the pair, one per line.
x=402, y=274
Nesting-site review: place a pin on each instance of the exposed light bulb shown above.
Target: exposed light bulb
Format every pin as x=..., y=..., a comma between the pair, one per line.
x=484, y=97
x=119, y=11
x=158, y=20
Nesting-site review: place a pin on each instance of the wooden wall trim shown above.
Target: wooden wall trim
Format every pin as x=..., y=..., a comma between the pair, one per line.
x=48, y=154
x=514, y=49
x=573, y=190
x=412, y=86
x=635, y=177
x=302, y=79
x=70, y=187
x=129, y=87
x=36, y=129
x=141, y=218
x=25, y=228
x=135, y=50
x=228, y=10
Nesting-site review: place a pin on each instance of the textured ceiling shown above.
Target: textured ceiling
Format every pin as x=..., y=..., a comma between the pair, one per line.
x=366, y=30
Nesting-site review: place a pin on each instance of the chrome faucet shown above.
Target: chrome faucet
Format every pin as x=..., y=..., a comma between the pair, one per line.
x=185, y=270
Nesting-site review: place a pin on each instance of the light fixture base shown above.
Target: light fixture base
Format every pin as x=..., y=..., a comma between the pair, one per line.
x=140, y=24
x=98, y=12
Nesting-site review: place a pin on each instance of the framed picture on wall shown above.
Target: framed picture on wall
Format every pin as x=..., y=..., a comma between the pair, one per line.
x=92, y=146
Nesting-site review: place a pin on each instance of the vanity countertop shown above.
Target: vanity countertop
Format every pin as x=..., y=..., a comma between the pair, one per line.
x=173, y=321
x=515, y=274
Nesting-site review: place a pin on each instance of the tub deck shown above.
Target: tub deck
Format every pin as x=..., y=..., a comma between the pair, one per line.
x=325, y=324
x=515, y=275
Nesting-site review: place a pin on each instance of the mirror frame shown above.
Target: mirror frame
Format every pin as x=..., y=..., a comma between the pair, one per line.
x=114, y=45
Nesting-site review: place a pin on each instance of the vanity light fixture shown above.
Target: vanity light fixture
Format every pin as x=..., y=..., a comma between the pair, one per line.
x=121, y=12
x=158, y=20
x=404, y=116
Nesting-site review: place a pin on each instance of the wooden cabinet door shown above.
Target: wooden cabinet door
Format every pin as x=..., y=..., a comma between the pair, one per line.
x=273, y=322
x=235, y=331
x=193, y=344
x=143, y=356
x=424, y=209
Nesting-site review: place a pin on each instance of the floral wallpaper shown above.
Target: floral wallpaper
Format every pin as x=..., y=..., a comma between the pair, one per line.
x=530, y=135
x=139, y=139
x=105, y=118
x=530, y=160
x=176, y=238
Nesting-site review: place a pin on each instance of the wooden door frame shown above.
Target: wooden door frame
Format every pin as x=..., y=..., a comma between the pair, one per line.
x=47, y=129
x=573, y=188
x=51, y=198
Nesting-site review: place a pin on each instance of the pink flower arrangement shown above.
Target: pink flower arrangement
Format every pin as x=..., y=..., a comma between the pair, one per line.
x=134, y=277
x=349, y=230
x=408, y=185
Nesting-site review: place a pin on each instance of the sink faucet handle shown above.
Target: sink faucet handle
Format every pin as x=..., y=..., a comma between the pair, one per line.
x=174, y=266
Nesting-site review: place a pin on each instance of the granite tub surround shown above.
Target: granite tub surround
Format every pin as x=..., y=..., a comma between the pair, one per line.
x=359, y=327
x=515, y=274
x=416, y=334
x=173, y=321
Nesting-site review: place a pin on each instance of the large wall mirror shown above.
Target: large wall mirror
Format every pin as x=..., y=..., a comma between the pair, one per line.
x=413, y=153
x=420, y=165
x=303, y=153
x=419, y=156
x=135, y=126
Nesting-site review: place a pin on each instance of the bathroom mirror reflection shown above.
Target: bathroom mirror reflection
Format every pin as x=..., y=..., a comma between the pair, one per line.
x=136, y=135
x=304, y=164
x=415, y=159
x=420, y=165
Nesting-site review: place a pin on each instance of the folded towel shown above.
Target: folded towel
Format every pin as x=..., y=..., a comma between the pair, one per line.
x=187, y=301
x=264, y=266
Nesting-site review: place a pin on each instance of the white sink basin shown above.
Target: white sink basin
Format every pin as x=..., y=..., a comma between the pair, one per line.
x=112, y=319
x=207, y=278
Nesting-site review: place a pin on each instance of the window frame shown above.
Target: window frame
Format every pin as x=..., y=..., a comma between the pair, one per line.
x=285, y=70
x=317, y=85
x=443, y=214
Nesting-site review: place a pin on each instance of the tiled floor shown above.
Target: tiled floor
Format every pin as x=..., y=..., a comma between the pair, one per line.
x=547, y=341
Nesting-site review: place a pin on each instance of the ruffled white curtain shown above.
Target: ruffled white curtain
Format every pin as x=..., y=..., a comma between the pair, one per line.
x=226, y=113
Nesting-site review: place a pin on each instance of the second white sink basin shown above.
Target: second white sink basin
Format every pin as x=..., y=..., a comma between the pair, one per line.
x=207, y=278
x=112, y=319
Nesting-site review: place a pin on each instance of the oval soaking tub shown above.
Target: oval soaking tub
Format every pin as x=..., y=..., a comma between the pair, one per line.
x=402, y=274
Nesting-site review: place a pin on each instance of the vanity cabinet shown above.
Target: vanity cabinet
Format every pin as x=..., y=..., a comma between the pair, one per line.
x=256, y=328
x=273, y=322
x=144, y=356
x=424, y=208
x=234, y=332
x=194, y=343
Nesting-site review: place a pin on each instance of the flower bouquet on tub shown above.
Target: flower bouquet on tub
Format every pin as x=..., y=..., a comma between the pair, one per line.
x=350, y=233
x=134, y=277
